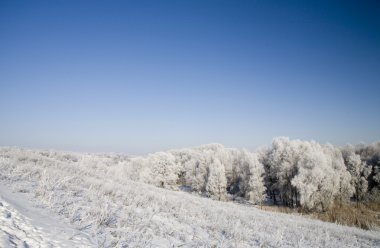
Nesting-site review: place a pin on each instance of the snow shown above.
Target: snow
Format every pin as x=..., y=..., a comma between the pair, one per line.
x=55, y=191
x=22, y=225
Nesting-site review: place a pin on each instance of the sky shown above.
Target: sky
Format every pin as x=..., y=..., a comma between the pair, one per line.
x=144, y=76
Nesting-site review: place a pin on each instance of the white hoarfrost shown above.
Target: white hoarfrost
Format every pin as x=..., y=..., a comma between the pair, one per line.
x=104, y=198
x=307, y=174
x=216, y=180
x=255, y=186
x=22, y=225
x=247, y=175
x=322, y=177
x=163, y=170
x=359, y=173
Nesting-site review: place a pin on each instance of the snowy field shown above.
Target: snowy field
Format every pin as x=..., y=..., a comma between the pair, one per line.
x=22, y=225
x=56, y=199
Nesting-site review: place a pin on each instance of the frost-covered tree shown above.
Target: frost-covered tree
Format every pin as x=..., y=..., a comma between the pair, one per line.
x=247, y=176
x=216, y=180
x=337, y=162
x=371, y=155
x=375, y=192
x=241, y=170
x=306, y=173
x=313, y=184
x=164, y=170
x=322, y=177
x=196, y=171
x=255, y=192
x=181, y=159
x=376, y=176
x=195, y=163
x=359, y=173
x=281, y=167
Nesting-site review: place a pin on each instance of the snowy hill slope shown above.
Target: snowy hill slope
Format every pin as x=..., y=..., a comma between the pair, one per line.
x=22, y=225
x=91, y=192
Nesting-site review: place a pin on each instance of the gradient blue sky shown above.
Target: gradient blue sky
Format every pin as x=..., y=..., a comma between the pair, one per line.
x=144, y=76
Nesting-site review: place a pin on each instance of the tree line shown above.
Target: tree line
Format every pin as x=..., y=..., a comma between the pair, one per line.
x=292, y=173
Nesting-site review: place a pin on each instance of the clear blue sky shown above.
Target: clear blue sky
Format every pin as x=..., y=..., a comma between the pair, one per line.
x=143, y=76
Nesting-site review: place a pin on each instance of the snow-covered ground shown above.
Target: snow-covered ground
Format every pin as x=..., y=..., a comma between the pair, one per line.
x=92, y=193
x=22, y=225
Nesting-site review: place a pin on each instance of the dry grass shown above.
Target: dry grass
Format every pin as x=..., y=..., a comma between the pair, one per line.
x=279, y=209
x=365, y=216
